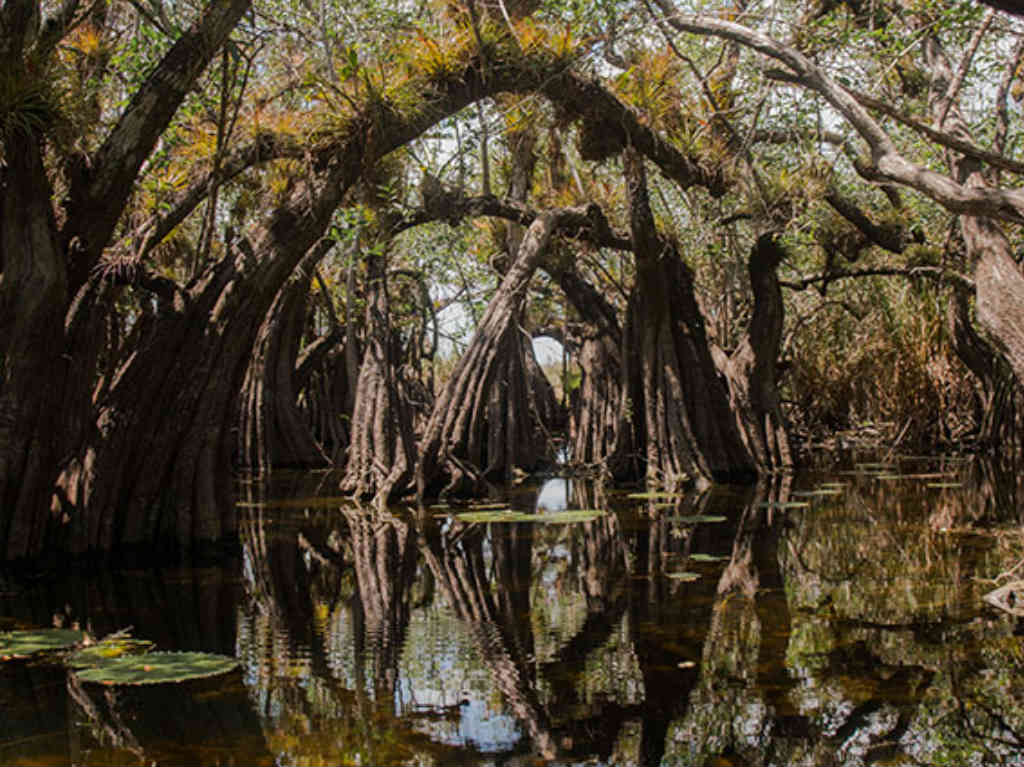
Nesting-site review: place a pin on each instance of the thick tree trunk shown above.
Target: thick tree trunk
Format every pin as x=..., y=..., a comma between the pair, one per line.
x=380, y=458
x=272, y=430
x=486, y=421
x=680, y=407
x=321, y=377
x=34, y=382
x=998, y=393
x=47, y=304
x=999, y=283
x=157, y=470
x=751, y=369
x=599, y=430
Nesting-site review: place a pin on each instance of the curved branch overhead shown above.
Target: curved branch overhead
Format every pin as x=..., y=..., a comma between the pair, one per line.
x=887, y=163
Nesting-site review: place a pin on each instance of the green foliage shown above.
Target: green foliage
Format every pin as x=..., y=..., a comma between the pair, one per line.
x=29, y=106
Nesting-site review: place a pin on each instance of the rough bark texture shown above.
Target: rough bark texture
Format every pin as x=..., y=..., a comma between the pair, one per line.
x=680, y=407
x=998, y=410
x=33, y=295
x=751, y=369
x=380, y=457
x=999, y=297
x=486, y=421
x=600, y=433
x=322, y=377
x=272, y=430
x=47, y=305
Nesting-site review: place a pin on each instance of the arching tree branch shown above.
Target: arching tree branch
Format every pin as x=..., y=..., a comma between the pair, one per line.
x=887, y=163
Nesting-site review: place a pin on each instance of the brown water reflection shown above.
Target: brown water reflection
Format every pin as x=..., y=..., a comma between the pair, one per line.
x=848, y=631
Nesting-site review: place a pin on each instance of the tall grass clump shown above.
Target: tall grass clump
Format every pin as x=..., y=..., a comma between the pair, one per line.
x=877, y=354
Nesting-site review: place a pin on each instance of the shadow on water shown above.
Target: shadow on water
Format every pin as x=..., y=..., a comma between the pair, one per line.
x=835, y=619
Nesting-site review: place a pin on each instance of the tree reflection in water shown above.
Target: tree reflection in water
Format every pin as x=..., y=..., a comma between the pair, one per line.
x=849, y=632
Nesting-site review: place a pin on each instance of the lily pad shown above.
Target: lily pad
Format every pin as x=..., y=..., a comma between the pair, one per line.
x=945, y=484
x=696, y=519
x=686, y=577
x=21, y=644
x=706, y=558
x=784, y=505
x=653, y=496
x=554, y=517
x=101, y=652
x=158, y=668
x=819, y=493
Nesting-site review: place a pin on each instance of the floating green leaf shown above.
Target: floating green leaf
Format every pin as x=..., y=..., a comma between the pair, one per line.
x=158, y=668
x=820, y=492
x=101, y=652
x=784, y=505
x=945, y=484
x=554, y=517
x=706, y=558
x=696, y=519
x=653, y=496
x=21, y=644
x=686, y=577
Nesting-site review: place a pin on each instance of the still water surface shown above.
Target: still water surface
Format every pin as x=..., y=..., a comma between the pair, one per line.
x=724, y=628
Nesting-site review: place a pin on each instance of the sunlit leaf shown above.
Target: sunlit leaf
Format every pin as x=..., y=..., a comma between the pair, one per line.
x=101, y=652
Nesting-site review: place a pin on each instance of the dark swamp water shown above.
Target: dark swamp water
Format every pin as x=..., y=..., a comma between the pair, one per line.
x=724, y=628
